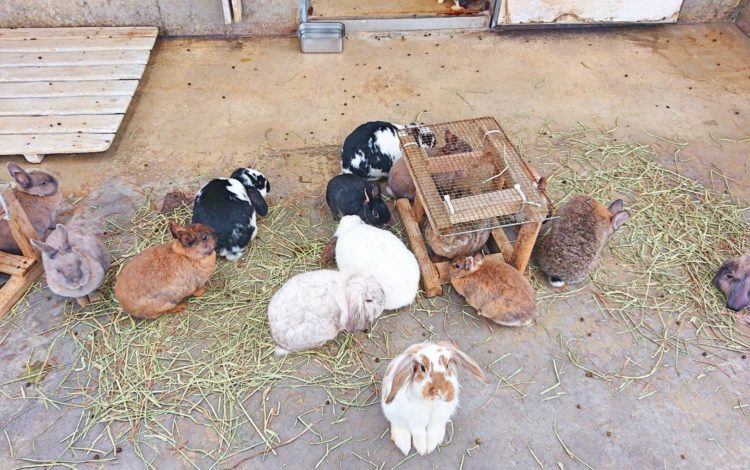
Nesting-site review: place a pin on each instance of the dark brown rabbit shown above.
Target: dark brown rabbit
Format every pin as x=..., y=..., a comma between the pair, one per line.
x=158, y=280
x=400, y=184
x=39, y=194
x=495, y=289
x=456, y=245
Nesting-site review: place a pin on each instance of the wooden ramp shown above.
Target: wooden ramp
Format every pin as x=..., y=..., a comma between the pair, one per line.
x=66, y=90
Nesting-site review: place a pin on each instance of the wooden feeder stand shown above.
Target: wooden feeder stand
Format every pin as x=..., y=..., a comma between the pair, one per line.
x=517, y=254
x=24, y=269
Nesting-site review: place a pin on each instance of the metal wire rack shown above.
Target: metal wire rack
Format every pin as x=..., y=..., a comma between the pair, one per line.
x=472, y=177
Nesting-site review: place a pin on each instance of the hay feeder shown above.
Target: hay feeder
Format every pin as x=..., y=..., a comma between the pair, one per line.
x=472, y=179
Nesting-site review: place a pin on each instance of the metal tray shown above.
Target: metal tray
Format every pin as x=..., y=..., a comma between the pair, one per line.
x=321, y=37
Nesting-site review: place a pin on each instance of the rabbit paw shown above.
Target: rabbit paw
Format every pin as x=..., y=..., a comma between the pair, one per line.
x=83, y=301
x=420, y=442
x=94, y=296
x=402, y=438
x=177, y=308
x=435, y=435
x=199, y=292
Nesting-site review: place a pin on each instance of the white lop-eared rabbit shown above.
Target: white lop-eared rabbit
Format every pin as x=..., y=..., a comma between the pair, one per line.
x=376, y=252
x=420, y=393
x=311, y=308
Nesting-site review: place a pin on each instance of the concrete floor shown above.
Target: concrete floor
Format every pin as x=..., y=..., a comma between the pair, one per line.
x=205, y=107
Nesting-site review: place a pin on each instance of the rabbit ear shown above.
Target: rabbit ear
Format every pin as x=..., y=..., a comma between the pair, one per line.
x=258, y=202
x=616, y=206
x=329, y=252
x=367, y=195
x=44, y=248
x=619, y=219
x=63, y=231
x=469, y=263
x=175, y=229
x=478, y=256
x=402, y=374
x=19, y=174
x=353, y=318
x=462, y=359
x=375, y=190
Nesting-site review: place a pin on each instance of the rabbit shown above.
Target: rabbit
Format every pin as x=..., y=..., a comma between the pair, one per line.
x=458, y=5
x=352, y=195
x=400, y=184
x=311, y=308
x=420, y=393
x=496, y=290
x=733, y=280
x=368, y=250
x=75, y=262
x=158, y=280
x=569, y=253
x=453, y=144
x=451, y=246
x=39, y=195
x=230, y=206
x=372, y=148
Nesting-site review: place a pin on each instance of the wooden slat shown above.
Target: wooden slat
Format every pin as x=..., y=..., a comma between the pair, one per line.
x=85, y=32
x=71, y=73
x=59, y=89
x=17, y=286
x=54, y=143
x=78, y=44
x=64, y=106
x=52, y=59
x=20, y=226
x=430, y=279
x=15, y=265
x=480, y=206
x=91, y=124
x=499, y=243
x=524, y=245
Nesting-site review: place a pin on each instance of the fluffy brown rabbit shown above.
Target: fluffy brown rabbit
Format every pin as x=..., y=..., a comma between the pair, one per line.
x=75, y=262
x=39, y=194
x=456, y=245
x=400, y=184
x=159, y=279
x=495, y=289
x=578, y=235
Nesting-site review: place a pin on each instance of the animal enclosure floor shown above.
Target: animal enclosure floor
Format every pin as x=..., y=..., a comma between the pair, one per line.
x=679, y=89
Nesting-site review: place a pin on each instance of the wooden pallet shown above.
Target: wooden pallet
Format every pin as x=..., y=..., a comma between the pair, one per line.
x=434, y=275
x=66, y=90
x=24, y=269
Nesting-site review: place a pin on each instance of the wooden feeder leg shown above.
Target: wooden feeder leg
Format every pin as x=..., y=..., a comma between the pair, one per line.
x=16, y=287
x=499, y=243
x=524, y=244
x=418, y=210
x=33, y=157
x=430, y=278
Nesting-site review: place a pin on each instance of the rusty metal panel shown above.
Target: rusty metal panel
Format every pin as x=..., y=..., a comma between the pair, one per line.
x=527, y=12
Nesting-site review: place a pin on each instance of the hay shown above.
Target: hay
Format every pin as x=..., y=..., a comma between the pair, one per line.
x=655, y=278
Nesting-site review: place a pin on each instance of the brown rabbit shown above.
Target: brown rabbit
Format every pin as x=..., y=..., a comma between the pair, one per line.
x=456, y=245
x=39, y=194
x=495, y=289
x=569, y=252
x=400, y=184
x=158, y=280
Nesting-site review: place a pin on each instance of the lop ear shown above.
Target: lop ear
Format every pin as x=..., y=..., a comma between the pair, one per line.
x=619, y=219
x=402, y=372
x=354, y=318
x=19, y=174
x=44, y=248
x=616, y=206
x=258, y=202
x=462, y=359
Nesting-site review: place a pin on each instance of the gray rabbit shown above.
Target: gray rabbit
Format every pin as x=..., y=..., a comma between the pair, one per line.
x=75, y=262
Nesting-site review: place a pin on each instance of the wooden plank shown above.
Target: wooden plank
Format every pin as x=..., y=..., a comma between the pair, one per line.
x=91, y=123
x=499, y=243
x=64, y=106
x=59, y=89
x=430, y=279
x=444, y=267
x=78, y=44
x=72, y=73
x=85, y=32
x=50, y=59
x=20, y=227
x=524, y=245
x=237, y=10
x=17, y=286
x=227, y=11
x=15, y=265
x=482, y=206
x=54, y=143
x=418, y=210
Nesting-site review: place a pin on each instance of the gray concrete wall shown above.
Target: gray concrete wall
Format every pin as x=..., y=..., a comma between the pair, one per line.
x=204, y=17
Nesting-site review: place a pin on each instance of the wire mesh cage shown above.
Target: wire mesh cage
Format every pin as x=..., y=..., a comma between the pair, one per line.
x=470, y=177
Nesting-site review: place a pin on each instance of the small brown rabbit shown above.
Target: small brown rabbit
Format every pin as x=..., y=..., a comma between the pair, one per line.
x=158, y=280
x=39, y=194
x=569, y=253
x=495, y=289
x=456, y=245
x=400, y=184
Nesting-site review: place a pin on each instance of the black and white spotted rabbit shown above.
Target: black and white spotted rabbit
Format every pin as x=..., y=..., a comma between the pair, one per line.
x=229, y=206
x=372, y=148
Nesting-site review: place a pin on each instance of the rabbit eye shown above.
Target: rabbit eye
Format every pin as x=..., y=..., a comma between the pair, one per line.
x=44, y=183
x=368, y=300
x=59, y=270
x=422, y=367
x=729, y=276
x=204, y=237
x=457, y=265
x=374, y=213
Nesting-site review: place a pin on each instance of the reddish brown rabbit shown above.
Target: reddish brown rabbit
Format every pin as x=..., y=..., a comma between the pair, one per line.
x=158, y=280
x=495, y=289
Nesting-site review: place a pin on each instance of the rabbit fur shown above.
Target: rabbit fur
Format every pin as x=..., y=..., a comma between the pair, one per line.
x=450, y=246
x=570, y=251
x=75, y=262
x=420, y=393
x=311, y=308
x=39, y=195
x=372, y=251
